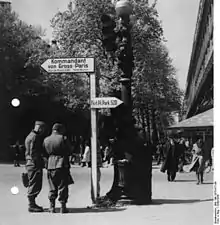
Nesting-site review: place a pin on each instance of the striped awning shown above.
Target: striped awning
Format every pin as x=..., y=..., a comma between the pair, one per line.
x=201, y=120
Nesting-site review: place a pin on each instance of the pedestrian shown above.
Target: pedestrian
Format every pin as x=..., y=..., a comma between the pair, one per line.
x=187, y=144
x=58, y=149
x=16, y=148
x=87, y=155
x=212, y=159
x=181, y=149
x=110, y=153
x=207, y=147
x=198, y=162
x=106, y=154
x=170, y=163
x=34, y=154
x=72, y=157
x=159, y=153
x=81, y=145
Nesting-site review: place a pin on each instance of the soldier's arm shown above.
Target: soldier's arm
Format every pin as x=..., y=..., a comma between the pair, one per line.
x=30, y=145
x=45, y=155
x=27, y=148
x=44, y=151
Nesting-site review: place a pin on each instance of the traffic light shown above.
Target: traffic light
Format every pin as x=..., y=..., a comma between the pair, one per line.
x=123, y=48
x=109, y=34
x=125, y=56
x=122, y=55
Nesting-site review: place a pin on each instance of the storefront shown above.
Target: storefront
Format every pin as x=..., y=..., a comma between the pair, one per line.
x=200, y=125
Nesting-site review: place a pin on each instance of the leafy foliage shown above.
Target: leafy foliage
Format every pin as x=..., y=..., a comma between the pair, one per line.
x=21, y=47
x=78, y=31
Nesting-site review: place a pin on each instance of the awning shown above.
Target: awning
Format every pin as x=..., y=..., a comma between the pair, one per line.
x=202, y=120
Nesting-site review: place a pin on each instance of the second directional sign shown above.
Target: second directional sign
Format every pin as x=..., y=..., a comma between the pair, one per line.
x=107, y=102
x=69, y=65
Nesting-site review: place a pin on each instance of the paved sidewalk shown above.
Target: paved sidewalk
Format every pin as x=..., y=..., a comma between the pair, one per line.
x=178, y=203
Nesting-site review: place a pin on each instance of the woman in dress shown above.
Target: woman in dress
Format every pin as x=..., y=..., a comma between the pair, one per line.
x=198, y=162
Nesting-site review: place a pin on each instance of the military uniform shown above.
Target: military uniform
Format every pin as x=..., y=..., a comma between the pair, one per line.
x=58, y=149
x=34, y=166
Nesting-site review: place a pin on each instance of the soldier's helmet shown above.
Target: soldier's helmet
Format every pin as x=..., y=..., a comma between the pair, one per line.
x=39, y=123
x=40, y=127
x=59, y=128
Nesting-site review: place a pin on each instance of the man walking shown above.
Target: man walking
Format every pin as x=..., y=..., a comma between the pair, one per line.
x=35, y=164
x=58, y=148
x=170, y=163
x=160, y=153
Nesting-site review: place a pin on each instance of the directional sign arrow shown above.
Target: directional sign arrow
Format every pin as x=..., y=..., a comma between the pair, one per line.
x=106, y=102
x=69, y=65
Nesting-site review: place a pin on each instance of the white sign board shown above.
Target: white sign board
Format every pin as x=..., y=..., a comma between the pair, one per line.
x=69, y=65
x=106, y=102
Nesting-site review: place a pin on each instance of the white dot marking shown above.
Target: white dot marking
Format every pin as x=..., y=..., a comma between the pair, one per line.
x=14, y=190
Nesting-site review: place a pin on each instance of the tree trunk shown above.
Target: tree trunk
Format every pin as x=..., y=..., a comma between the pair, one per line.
x=5, y=124
x=143, y=123
x=154, y=127
x=148, y=123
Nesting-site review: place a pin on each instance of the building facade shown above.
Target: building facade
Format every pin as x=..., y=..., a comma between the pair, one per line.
x=199, y=86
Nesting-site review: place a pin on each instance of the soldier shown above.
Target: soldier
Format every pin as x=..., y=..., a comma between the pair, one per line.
x=58, y=174
x=35, y=164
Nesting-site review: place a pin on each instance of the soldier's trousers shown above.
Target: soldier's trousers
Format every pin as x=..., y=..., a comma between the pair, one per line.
x=35, y=176
x=58, y=182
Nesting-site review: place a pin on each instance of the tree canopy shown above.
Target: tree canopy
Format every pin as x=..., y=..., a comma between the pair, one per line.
x=20, y=48
x=78, y=31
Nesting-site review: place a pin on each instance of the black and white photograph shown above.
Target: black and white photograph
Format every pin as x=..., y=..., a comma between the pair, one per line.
x=107, y=112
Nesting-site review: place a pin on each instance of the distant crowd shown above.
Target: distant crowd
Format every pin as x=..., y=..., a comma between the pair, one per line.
x=80, y=152
x=185, y=155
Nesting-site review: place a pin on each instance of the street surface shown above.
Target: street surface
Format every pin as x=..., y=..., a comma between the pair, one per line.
x=179, y=203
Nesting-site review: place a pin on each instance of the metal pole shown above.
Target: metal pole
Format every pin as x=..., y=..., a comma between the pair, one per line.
x=93, y=138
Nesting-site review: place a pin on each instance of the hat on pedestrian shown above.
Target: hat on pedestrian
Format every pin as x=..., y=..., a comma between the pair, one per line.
x=41, y=123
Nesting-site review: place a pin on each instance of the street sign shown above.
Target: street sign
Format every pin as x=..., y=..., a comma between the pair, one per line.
x=69, y=65
x=106, y=102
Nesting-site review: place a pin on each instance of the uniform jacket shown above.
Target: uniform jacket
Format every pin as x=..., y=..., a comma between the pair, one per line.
x=58, y=150
x=34, y=151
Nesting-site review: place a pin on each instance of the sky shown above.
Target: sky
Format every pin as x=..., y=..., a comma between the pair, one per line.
x=178, y=19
